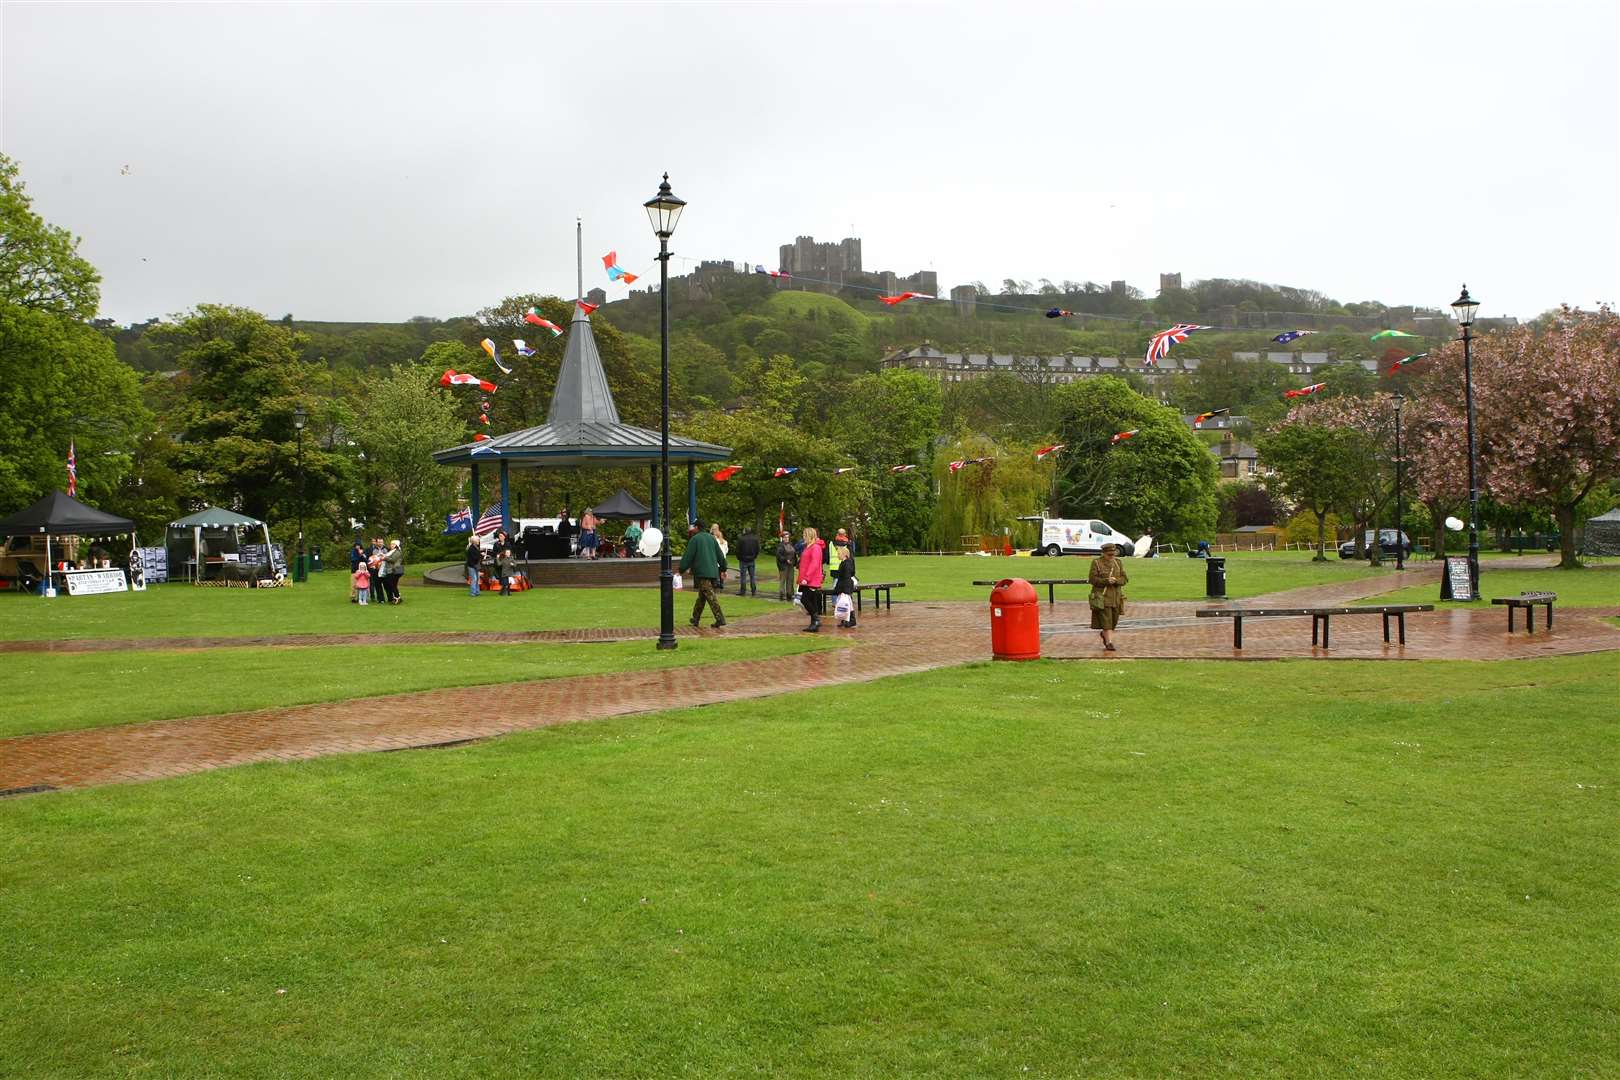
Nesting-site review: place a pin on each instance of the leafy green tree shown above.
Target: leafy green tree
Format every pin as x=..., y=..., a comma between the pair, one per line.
x=1161, y=480
x=892, y=418
x=760, y=443
x=40, y=265
x=401, y=420
x=1315, y=465
x=1004, y=482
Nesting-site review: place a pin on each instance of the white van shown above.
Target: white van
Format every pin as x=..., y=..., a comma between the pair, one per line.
x=1078, y=536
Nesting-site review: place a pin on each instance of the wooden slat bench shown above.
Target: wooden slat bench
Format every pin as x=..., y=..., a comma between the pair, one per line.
x=1320, y=618
x=1528, y=602
x=1050, y=583
x=880, y=590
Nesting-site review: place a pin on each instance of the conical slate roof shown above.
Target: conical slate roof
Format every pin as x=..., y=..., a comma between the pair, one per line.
x=583, y=426
x=582, y=394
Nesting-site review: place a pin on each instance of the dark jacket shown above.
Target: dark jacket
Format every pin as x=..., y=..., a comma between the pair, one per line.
x=703, y=557
x=357, y=555
x=747, y=547
x=845, y=581
x=475, y=555
x=786, y=557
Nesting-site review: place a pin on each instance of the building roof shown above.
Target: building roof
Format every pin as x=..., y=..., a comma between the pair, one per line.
x=582, y=426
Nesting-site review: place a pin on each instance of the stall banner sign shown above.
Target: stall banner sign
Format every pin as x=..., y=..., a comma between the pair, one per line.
x=254, y=554
x=90, y=582
x=148, y=566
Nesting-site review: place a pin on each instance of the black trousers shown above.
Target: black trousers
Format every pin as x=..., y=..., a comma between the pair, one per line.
x=391, y=586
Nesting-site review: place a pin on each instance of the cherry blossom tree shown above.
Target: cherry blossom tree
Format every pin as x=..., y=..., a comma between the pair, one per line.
x=1436, y=465
x=1546, y=412
x=1367, y=425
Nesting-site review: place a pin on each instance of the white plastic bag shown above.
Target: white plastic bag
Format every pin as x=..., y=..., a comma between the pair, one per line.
x=844, y=608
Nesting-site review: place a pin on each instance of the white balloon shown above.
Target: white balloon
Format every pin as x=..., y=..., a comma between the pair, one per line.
x=1454, y=524
x=652, y=540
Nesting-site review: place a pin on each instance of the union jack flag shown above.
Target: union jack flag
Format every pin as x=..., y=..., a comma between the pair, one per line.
x=490, y=520
x=1159, y=344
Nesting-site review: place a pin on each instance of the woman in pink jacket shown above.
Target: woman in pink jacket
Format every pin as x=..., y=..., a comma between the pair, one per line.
x=810, y=577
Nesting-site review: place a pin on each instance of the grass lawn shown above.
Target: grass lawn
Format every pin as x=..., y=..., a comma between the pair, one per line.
x=62, y=692
x=1589, y=586
x=321, y=606
x=932, y=577
x=1148, y=869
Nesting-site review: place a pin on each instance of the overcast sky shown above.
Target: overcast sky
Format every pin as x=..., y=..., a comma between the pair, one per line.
x=373, y=162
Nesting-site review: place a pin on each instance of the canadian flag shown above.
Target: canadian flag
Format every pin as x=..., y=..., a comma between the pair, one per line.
x=1304, y=391
x=1122, y=436
x=450, y=378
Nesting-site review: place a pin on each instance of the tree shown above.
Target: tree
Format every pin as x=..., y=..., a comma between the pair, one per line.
x=400, y=421
x=1162, y=480
x=1547, y=412
x=1436, y=466
x=760, y=443
x=1315, y=465
x=1004, y=483
x=40, y=266
x=892, y=418
x=1369, y=428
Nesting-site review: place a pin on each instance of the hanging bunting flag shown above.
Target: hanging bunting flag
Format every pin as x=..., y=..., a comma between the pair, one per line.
x=901, y=468
x=72, y=471
x=784, y=470
x=483, y=418
x=450, y=378
x=480, y=437
x=845, y=469
x=533, y=316
x=759, y=268
x=1403, y=361
x=1304, y=391
x=586, y=308
x=957, y=466
x=1046, y=451
x=1058, y=313
x=1159, y=344
x=489, y=347
x=522, y=347
x=1122, y=436
x=1198, y=421
x=1291, y=335
x=722, y=475
x=614, y=273
x=903, y=297
x=1382, y=334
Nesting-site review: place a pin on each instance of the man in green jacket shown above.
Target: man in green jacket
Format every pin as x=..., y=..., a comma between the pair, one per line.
x=707, y=565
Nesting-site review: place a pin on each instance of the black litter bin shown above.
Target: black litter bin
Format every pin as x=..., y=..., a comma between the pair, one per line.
x=315, y=566
x=1215, y=578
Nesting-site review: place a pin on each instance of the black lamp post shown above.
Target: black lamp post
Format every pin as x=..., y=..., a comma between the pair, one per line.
x=1465, y=308
x=300, y=418
x=1400, y=505
x=664, y=210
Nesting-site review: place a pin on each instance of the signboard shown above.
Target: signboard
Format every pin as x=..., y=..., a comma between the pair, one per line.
x=148, y=566
x=253, y=555
x=89, y=582
x=1455, y=583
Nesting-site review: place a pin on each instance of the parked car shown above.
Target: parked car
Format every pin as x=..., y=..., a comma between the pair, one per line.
x=1078, y=536
x=1386, y=538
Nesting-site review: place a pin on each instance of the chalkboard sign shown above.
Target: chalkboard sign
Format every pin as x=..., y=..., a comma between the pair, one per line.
x=1455, y=583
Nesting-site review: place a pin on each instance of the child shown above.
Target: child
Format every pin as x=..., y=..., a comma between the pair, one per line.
x=362, y=582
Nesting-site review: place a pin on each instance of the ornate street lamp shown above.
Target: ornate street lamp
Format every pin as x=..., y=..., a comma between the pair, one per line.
x=664, y=210
x=300, y=418
x=1465, y=307
x=1400, y=505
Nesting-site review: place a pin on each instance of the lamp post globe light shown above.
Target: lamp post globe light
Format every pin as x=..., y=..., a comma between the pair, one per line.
x=1400, y=505
x=664, y=211
x=1465, y=307
x=300, y=418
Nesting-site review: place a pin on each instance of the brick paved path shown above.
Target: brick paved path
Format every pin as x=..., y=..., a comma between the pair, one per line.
x=916, y=636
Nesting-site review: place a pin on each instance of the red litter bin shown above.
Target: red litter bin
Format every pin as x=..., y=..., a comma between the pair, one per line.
x=1015, y=621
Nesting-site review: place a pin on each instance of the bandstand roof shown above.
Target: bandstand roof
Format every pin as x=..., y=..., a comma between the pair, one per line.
x=582, y=426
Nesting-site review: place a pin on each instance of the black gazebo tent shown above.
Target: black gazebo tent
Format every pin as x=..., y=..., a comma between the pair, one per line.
x=622, y=506
x=60, y=514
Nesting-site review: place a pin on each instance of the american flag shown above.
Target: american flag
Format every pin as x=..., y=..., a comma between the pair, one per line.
x=1159, y=344
x=73, y=471
x=490, y=520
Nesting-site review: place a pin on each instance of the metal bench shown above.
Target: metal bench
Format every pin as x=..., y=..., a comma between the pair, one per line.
x=1320, y=618
x=1528, y=602
x=880, y=590
x=1050, y=583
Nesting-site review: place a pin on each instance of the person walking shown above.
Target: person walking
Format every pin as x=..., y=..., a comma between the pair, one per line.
x=787, y=560
x=810, y=579
x=747, y=557
x=1108, y=580
x=707, y=564
x=393, y=570
x=361, y=579
x=474, y=561
x=844, y=580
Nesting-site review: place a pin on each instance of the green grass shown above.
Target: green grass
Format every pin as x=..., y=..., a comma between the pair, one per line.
x=1586, y=587
x=931, y=577
x=321, y=606
x=1148, y=869
x=63, y=692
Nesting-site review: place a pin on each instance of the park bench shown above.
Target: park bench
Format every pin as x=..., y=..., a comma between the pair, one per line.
x=1528, y=602
x=1050, y=583
x=880, y=590
x=1320, y=618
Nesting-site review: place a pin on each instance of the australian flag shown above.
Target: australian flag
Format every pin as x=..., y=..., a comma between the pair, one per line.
x=459, y=521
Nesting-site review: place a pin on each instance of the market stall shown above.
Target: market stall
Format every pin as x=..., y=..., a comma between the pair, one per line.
x=34, y=554
x=217, y=545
